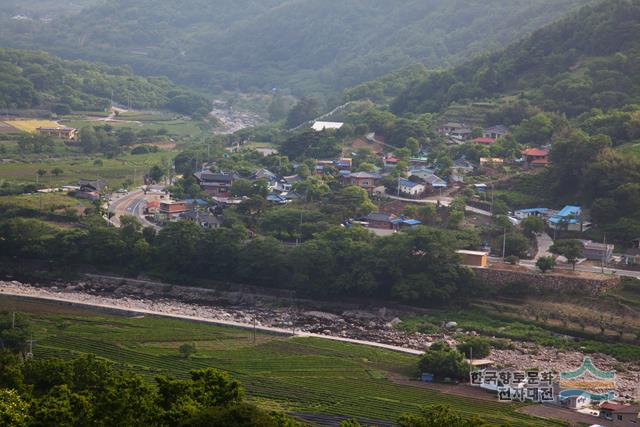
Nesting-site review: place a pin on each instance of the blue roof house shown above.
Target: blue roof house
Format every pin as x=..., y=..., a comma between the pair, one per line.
x=569, y=218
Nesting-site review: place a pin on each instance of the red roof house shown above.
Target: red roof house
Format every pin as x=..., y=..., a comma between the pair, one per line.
x=535, y=157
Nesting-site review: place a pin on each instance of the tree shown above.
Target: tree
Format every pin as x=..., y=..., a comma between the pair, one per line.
x=536, y=130
x=350, y=202
x=41, y=172
x=187, y=350
x=516, y=244
x=57, y=172
x=476, y=347
x=444, y=362
x=439, y=416
x=571, y=249
x=156, y=173
x=305, y=110
x=532, y=225
x=13, y=410
x=545, y=263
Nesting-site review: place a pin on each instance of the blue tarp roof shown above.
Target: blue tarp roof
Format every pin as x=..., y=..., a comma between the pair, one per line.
x=412, y=222
x=565, y=213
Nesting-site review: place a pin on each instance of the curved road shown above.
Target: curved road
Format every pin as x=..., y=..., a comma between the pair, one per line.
x=131, y=204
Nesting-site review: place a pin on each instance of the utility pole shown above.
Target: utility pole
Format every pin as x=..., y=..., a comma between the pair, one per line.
x=29, y=355
x=13, y=320
x=504, y=244
x=254, y=329
x=604, y=253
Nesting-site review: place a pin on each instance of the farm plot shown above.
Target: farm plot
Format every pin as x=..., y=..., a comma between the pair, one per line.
x=306, y=375
x=31, y=125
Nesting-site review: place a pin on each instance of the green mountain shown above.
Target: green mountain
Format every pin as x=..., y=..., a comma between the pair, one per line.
x=39, y=80
x=302, y=46
x=590, y=59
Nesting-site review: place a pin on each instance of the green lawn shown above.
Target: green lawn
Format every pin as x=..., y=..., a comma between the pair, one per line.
x=115, y=170
x=40, y=201
x=292, y=374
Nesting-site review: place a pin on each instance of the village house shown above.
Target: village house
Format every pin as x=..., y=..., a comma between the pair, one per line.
x=495, y=132
x=216, y=184
x=152, y=207
x=384, y=221
x=621, y=415
x=410, y=188
x=205, y=220
x=432, y=182
x=526, y=213
x=569, y=218
x=265, y=175
x=63, y=132
x=535, y=158
x=462, y=166
x=457, y=131
x=365, y=180
x=91, y=189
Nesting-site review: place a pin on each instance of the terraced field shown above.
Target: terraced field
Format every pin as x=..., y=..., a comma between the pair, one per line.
x=293, y=374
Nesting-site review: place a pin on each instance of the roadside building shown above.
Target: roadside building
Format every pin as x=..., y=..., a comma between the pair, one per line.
x=432, y=182
x=597, y=251
x=97, y=185
x=474, y=258
x=63, y=132
x=171, y=210
x=632, y=256
x=152, y=207
x=382, y=221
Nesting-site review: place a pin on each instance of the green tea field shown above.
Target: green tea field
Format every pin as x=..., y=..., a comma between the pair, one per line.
x=293, y=374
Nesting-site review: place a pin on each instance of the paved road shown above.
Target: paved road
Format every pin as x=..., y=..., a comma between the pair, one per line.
x=279, y=331
x=544, y=243
x=531, y=264
x=131, y=204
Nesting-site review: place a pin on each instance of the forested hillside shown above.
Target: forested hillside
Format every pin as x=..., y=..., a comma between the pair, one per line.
x=302, y=45
x=591, y=59
x=38, y=80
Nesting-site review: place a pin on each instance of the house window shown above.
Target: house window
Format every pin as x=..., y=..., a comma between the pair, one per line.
x=222, y=190
x=365, y=183
x=619, y=417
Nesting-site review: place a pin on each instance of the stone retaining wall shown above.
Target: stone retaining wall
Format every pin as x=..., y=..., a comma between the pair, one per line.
x=550, y=282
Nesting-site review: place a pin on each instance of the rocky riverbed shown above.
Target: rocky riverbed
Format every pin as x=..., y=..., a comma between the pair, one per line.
x=376, y=325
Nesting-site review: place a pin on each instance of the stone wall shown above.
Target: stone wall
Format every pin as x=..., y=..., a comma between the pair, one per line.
x=550, y=282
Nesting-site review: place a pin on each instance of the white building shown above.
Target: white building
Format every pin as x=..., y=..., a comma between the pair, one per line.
x=320, y=126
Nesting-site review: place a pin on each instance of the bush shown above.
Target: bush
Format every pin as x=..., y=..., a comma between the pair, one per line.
x=512, y=259
x=475, y=347
x=444, y=362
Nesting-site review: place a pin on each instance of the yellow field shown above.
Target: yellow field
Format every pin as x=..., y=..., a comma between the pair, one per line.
x=31, y=125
